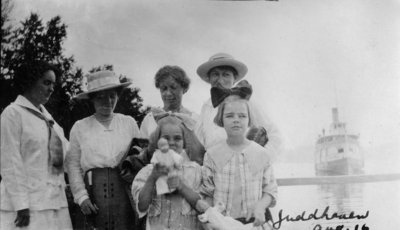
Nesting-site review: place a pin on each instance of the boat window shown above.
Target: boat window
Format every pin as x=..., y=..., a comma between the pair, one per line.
x=340, y=150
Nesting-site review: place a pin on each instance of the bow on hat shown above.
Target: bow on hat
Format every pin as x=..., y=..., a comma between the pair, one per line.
x=243, y=89
x=187, y=121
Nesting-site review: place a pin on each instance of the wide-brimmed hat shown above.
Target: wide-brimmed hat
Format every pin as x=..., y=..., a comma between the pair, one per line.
x=101, y=80
x=221, y=59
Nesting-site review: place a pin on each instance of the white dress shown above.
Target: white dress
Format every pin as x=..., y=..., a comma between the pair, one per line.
x=26, y=180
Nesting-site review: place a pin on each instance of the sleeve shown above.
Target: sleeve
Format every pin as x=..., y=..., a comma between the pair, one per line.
x=207, y=176
x=148, y=126
x=137, y=186
x=74, y=169
x=135, y=132
x=269, y=185
x=12, y=167
x=274, y=145
x=199, y=128
x=193, y=180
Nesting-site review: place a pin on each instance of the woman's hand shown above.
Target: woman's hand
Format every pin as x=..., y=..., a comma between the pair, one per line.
x=23, y=217
x=88, y=207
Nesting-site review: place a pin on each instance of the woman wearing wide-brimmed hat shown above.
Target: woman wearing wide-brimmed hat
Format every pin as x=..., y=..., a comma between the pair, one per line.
x=97, y=145
x=223, y=71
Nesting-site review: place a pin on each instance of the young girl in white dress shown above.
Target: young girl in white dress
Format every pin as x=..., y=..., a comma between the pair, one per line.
x=171, y=210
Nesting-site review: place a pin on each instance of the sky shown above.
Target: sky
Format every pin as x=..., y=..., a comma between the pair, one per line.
x=304, y=56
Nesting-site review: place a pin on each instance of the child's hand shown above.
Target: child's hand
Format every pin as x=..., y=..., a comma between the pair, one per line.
x=174, y=182
x=158, y=170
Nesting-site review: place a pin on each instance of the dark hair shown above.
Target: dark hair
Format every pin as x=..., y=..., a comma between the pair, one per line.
x=225, y=67
x=28, y=73
x=176, y=72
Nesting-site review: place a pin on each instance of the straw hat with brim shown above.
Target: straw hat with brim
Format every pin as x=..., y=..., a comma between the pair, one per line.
x=221, y=59
x=99, y=81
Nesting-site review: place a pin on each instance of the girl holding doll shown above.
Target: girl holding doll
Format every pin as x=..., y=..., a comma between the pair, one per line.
x=237, y=172
x=170, y=210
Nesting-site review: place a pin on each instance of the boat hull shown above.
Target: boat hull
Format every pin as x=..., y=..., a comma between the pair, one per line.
x=344, y=166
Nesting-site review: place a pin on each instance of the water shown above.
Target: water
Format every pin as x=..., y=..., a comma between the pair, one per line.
x=380, y=199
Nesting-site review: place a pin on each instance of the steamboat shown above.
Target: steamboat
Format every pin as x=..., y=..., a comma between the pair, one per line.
x=338, y=152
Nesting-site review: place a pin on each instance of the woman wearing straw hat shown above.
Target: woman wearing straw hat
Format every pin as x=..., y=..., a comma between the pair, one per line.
x=97, y=145
x=223, y=71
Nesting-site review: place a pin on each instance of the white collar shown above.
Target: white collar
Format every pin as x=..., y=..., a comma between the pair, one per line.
x=23, y=101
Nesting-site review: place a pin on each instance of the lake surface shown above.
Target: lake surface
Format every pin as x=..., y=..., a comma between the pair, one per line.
x=377, y=202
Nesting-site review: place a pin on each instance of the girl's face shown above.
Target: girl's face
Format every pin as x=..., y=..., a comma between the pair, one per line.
x=235, y=118
x=173, y=134
x=104, y=102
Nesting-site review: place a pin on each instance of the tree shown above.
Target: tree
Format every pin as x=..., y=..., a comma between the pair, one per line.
x=6, y=28
x=34, y=41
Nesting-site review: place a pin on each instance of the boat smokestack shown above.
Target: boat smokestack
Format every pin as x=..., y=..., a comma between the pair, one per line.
x=335, y=115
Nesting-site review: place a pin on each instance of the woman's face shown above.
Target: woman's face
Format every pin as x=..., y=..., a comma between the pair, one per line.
x=171, y=93
x=221, y=77
x=104, y=102
x=235, y=118
x=42, y=89
x=173, y=134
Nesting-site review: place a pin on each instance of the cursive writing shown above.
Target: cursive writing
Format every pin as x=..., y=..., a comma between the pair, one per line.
x=316, y=216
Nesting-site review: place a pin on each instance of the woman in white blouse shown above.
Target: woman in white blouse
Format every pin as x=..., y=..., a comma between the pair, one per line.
x=97, y=145
x=173, y=83
x=32, y=151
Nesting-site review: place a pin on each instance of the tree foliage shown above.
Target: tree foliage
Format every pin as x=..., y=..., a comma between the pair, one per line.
x=35, y=40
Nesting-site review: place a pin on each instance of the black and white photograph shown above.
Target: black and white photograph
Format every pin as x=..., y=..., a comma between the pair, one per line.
x=200, y=115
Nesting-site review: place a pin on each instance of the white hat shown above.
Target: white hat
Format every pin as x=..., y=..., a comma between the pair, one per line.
x=221, y=59
x=99, y=81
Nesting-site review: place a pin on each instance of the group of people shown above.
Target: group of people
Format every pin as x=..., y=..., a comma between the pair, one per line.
x=222, y=156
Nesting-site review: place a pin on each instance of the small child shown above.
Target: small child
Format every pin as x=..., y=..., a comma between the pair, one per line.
x=169, y=158
x=237, y=172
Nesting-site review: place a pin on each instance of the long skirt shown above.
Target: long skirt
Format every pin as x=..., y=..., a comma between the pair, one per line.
x=107, y=190
x=44, y=220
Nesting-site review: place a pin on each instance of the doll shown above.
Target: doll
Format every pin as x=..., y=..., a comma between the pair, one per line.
x=169, y=158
